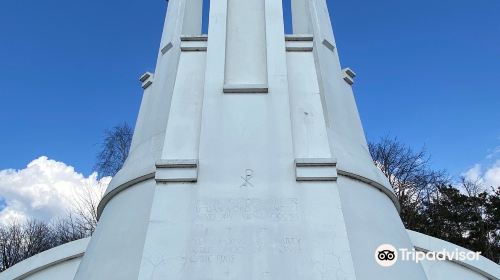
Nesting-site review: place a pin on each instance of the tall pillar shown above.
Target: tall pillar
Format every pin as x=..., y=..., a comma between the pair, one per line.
x=248, y=159
x=116, y=249
x=246, y=57
x=369, y=206
x=301, y=22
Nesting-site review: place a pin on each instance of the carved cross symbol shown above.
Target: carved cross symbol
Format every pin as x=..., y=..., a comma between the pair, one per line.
x=246, y=179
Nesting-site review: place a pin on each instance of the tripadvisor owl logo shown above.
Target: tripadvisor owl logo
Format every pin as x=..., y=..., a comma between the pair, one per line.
x=386, y=255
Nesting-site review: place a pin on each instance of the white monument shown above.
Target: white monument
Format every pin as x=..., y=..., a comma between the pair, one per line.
x=248, y=161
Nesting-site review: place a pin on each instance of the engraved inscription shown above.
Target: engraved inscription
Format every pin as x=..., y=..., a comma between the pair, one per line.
x=246, y=179
x=248, y=209
x=290, y=244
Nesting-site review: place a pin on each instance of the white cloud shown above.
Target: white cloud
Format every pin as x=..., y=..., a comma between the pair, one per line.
x=492, y=175
x=488, y=176
x=474, y=173
x=44, y=190
x=495, y=152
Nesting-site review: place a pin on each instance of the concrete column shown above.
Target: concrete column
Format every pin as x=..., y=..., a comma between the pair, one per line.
x=300, y=17
x=246, y=62
x=370, y=217
x=193, y=17
x=123, y=224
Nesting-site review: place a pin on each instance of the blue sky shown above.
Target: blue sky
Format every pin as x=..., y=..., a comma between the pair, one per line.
x=428, y=73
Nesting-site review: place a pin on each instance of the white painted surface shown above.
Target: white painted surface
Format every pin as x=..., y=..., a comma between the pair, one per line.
x=450, y=270
x=192, y=19
x=183, y=130
x=57, y=263
x=482, y=268
x=245, y=218
x=246, y=62
x=283, y=186
x=115, y=250
x=371, y=220
x=301, y=22
x=64, y=270
x=244, y=214
x=310, y=137
x=149, y=134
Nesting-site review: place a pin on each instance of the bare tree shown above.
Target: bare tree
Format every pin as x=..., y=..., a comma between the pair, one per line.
x=410, y=175
x=19, y=241
x=10, y=245
x=464, y=213
x=37, y=238
x=471, y=187
x=67, y=229
x=484, y=226
x=85, y=207
x=114, y=150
